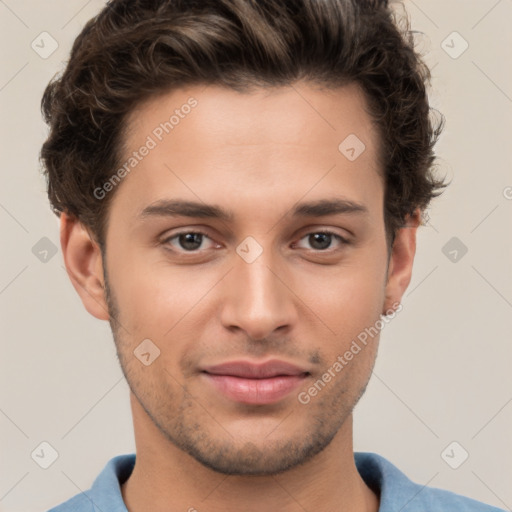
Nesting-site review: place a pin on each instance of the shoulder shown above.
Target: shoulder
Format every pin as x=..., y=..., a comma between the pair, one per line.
x=79, y=503
x=398, y=492
x=105, y=493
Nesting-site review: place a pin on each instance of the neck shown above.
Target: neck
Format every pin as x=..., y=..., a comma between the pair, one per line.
x=328, y=482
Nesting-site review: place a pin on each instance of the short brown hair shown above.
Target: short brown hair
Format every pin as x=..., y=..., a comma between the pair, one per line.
x=135, y=49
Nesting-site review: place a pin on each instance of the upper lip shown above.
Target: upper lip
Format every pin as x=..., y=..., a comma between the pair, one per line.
x=248, y=370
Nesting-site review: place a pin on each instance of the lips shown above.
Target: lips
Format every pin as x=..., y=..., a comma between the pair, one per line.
x=245, y=369
x=254, y=383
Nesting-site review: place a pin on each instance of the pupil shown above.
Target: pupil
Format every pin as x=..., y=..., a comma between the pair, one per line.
x=190, y=241
x=324, y=240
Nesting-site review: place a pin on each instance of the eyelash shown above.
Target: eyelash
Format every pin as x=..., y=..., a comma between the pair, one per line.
x=343, y=241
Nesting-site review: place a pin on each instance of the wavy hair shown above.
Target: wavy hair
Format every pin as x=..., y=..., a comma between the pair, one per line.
x=135, y=49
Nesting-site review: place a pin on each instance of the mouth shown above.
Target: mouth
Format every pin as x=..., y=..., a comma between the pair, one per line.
x=258, y=384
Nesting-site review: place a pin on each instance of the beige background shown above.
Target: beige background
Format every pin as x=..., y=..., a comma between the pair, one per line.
x=443, y=372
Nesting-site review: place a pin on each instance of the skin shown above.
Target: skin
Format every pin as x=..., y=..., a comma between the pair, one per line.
x=255, y=154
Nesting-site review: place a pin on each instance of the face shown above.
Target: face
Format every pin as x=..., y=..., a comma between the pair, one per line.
x=251, y=252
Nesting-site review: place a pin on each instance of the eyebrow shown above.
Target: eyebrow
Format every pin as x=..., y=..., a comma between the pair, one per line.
x=181, y=208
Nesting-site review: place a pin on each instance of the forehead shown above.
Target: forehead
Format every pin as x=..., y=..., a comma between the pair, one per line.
x=301, y=113
x=214, y=144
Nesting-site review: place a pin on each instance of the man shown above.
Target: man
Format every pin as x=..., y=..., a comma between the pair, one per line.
x=240, y=184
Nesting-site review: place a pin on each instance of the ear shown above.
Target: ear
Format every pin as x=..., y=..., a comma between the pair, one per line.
x=401, y=261
x=84, y=265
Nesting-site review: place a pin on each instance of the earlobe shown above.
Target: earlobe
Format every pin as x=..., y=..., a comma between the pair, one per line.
x=401, y=262
x=84, y=265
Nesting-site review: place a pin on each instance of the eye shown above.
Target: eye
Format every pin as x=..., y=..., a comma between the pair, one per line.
x=195, y=241
x=188, y=241
x=322, y=240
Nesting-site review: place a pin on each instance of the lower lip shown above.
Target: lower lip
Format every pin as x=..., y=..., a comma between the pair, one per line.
x=256, y=391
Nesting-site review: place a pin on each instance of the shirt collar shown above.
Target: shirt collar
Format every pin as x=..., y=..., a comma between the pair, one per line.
x=387, y=481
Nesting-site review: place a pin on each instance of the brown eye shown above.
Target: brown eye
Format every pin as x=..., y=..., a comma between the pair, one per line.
x=187, y=241
x=322, y=240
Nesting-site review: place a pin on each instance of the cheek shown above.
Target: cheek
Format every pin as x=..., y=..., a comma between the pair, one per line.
x=348, y=300
x=158, y=299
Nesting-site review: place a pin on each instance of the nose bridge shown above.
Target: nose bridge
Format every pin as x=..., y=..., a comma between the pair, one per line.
x=257, y=299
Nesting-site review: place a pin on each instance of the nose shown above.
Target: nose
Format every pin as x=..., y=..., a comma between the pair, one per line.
x=257, y=298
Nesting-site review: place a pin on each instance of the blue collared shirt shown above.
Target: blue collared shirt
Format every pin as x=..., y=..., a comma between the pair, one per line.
x=396, y=491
